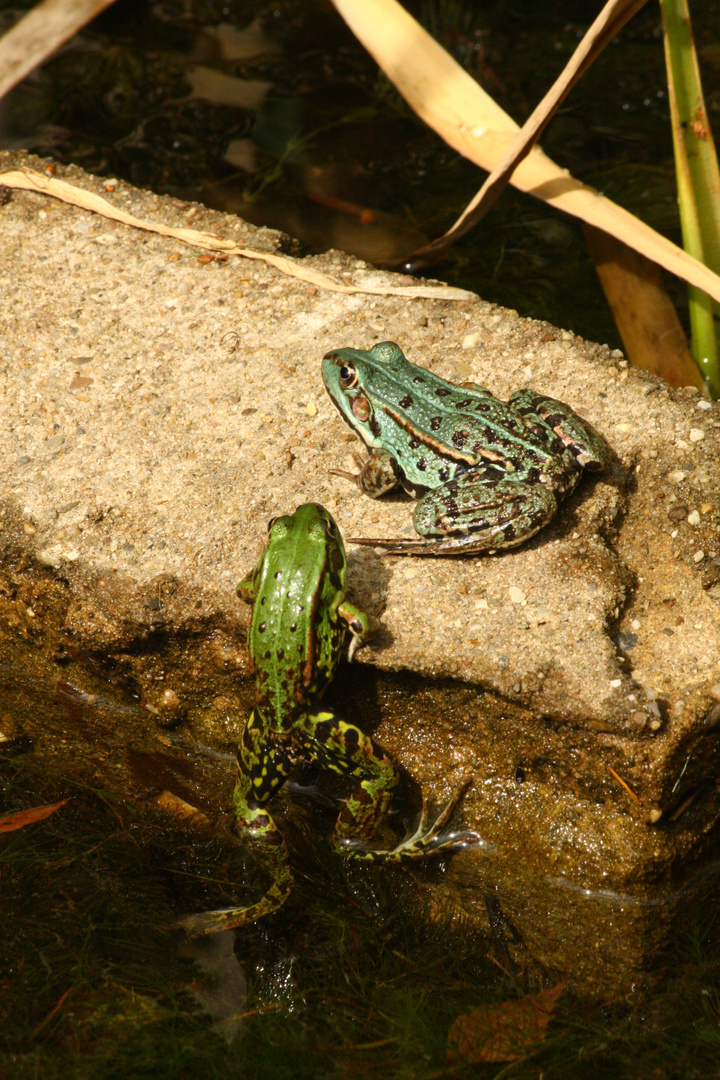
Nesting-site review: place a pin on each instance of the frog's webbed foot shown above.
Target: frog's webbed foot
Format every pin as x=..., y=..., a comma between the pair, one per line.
x=346, y=749
x=424, y=841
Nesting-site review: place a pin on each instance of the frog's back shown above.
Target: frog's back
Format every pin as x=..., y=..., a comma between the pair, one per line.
x=295, y=634
x=459, y=426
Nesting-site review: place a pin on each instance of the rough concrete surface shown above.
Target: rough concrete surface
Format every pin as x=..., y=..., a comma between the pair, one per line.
x=158, y=410
x=159, y=407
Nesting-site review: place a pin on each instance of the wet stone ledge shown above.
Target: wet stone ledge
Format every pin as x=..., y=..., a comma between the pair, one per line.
x=159, y=408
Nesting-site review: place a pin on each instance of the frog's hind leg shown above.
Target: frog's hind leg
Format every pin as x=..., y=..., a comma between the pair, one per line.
x=473, y=513
x=346, y=749
x=577, y=435
x=263, y=769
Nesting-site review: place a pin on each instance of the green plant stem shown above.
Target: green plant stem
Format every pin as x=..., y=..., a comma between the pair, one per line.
x=698, y=178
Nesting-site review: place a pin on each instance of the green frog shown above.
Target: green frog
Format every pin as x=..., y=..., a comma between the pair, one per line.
x=488, y=474
x=299, y=622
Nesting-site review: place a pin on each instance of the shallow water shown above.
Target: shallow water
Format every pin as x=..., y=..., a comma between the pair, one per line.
x=341, y=982
x=363, y=973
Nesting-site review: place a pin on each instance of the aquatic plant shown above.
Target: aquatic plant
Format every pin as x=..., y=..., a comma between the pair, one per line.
x=468, y=119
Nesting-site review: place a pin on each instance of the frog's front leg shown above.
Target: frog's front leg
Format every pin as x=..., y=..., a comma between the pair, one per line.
x=262, y=769
x=346, y=749
x=579, y=436
x=378, y=473
x=358, y=624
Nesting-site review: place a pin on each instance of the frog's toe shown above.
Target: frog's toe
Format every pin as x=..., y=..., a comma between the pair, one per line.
x=431, y=838
x=211, y=922
x=454, y=545
x=423, y=842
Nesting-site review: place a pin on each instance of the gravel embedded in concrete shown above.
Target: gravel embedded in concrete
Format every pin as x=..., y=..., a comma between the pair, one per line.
x=159, y=407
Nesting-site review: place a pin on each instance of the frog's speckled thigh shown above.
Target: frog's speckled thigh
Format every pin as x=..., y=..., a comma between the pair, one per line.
x=263, y=768
x=346, y=749
x=480, y=514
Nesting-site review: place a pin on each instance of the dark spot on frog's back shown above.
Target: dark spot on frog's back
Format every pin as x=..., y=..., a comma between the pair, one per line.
x=414, y=443
x=281, y=654
x=435, y=423
x=418, y=379
x=441, y=392
x=464, y=403
x=406, y=402
x=261, y=628
x=421, y=464
x=336, y=559
x=459, y=439
x=374, y=426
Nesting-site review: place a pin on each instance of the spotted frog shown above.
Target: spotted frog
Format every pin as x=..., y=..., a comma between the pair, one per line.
x=299, y=622
x=488, y=474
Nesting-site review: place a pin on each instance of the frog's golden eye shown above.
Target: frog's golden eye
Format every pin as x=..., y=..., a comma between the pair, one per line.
x=330, y=528
x=348, y=377
x=278, y=527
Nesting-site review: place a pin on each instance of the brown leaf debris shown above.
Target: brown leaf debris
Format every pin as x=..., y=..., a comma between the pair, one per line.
x=504, y=1032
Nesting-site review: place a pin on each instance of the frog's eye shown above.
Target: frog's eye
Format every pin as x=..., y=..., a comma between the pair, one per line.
x=278, y=527
x=348, y=377
x=330, y=527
